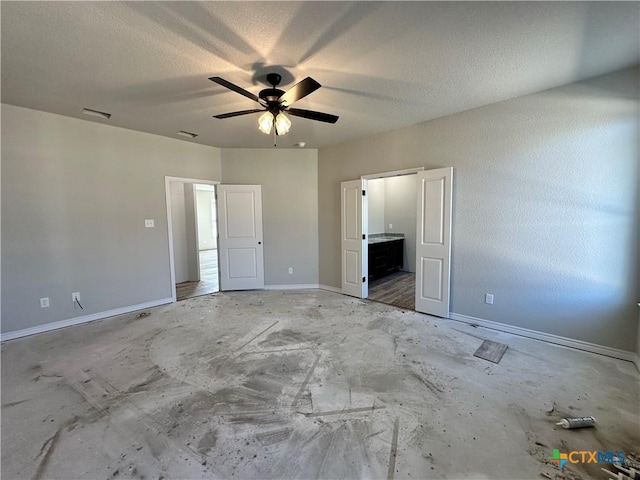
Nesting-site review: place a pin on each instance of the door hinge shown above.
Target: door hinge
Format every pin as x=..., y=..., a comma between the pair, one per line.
x=364, y=279
x=364, y=192
x=364, y=236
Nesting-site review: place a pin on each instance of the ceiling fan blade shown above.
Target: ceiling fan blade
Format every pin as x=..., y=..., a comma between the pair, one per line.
x=299, y=90
x=236, y=114
x=235, y=88
x=322, y=117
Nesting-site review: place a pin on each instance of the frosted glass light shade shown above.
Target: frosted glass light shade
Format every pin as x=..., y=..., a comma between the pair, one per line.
x=283, y=124
x=265, y=122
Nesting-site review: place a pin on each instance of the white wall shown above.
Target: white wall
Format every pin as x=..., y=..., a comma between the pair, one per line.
x=289, y=179
x=207, y=239
x=545, y=206
x=75, y=195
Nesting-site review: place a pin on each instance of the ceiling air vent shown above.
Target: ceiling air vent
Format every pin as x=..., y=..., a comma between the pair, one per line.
x=96, y=113
x=182, y=133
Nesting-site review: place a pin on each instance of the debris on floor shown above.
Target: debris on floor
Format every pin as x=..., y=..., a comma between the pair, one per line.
x=623, y=473
x=577, y=422
x=626, y=469
x=491, y=351
x=266, y=384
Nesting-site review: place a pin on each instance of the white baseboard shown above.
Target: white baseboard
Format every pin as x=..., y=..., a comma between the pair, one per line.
x=502, y=327
x=550, y=338
x=330, y=288
x=301, y=286
x=79, y=320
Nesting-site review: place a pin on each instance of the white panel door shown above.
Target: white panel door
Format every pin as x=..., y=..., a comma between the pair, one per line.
x=433, y=241
x=240, y=249
x=353, y=235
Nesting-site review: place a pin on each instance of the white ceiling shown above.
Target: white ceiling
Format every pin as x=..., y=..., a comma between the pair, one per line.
x=383, y=65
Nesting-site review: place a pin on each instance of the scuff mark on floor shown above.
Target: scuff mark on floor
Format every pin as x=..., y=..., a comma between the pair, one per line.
x=46, y=451
x=394, y=449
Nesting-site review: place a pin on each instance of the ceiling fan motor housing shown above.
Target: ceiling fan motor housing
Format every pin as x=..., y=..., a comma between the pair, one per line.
x=271, y=95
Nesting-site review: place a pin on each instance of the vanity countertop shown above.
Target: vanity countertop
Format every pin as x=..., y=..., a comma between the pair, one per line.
x=384, y=238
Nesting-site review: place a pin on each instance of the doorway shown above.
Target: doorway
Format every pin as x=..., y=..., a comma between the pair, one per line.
x=193, y=237
x=433, y=238
x=206, y=230
x=391, y=239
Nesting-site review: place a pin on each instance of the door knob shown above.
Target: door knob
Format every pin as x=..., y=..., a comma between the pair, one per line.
x=259, y=243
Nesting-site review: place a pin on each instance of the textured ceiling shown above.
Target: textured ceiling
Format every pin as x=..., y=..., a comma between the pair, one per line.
x=383, y=65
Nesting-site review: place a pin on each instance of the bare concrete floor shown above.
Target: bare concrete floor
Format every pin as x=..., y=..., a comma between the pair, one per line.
x=302, y=384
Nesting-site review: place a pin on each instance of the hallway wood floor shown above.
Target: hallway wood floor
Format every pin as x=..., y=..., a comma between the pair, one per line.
x=396, y=289
x=208, y=278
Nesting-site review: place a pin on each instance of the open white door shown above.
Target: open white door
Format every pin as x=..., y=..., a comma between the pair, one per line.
x=354, y=242
x=240, y=249
x=433, y=241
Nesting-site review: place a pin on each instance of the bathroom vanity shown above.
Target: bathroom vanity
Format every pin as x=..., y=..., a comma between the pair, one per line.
x=385, y=254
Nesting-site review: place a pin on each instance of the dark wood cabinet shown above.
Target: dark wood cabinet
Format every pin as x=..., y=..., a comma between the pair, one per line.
x=385, y=257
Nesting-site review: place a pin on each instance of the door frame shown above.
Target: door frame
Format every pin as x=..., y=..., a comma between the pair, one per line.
x=396, y=173
x=381, y=175
x=167, y=188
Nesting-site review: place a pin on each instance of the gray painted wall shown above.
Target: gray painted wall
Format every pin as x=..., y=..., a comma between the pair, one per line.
x=400, y=210
x=75, y=195
x=375, y=205
x=393, y=200
x=193, y=256
x=545, y=206
x=186, y=255
x=179, y=232
x=289, y=179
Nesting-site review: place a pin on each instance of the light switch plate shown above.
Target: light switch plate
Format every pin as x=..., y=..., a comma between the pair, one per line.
x=149, y=223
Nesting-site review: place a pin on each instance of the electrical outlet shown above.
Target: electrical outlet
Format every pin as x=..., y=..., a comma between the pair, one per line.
x=149, y=223
x=391, y=226
x=488, y=298
x=44, y=302
x=75, y=297
x=290, y=270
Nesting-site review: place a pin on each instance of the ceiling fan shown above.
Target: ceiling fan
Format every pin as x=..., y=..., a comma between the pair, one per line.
x=275, y=102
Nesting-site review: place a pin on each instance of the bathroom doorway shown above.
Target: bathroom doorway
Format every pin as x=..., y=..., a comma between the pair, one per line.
x=433, y=238
x=391, y=239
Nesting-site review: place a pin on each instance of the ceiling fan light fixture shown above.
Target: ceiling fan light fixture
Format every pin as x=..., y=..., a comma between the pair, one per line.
x=265, y=122
x=283, y=124
x=274, y=102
